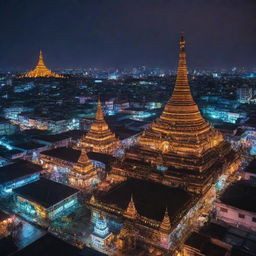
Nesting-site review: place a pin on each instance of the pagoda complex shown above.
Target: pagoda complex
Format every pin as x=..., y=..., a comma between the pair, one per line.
x=41, y=70
x=161, y=186
x=83, y=175
x=99, y=138
x=180, y=146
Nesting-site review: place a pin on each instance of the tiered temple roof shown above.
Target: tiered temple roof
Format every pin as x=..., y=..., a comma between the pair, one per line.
x=99, y=138
x=41, y=70
x=83, y=174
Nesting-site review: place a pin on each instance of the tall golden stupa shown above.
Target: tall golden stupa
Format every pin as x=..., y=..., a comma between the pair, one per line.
x=99, y=138
x=180, y=148
x=41, y=70
x=181, y=131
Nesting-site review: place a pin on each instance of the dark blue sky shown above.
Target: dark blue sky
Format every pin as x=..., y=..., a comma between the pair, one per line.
x=124, y=33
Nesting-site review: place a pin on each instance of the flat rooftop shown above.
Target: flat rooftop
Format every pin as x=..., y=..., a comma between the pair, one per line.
x=74, y=134
x=123, y=133
x=18, y=170
x=251, y=167
x=204, y=245
x=101, y=157
x=151, y=199
x=45, y=192
x=240, y=195
x=231, y=235
x=64, y=153
x=29, y=145
x=3, y=216
x=49, y=245
x=7, y=246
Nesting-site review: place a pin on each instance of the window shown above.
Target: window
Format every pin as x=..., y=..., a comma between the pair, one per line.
x=241, y=216
x=253, y=219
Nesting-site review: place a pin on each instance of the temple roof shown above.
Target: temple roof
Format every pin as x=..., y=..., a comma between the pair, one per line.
x=45, y=192
x=150, y=199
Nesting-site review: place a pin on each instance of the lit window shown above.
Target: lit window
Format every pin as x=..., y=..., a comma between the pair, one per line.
x=223, y=209
x=241, y=216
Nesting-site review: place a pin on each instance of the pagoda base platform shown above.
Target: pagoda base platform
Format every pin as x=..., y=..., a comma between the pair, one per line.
x=137, y=165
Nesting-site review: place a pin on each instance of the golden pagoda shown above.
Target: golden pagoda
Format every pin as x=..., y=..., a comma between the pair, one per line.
x=180, y=148
x=83, y=175
x=99, y=138
x=131, y=211
x=181, y=132
x=41, y=70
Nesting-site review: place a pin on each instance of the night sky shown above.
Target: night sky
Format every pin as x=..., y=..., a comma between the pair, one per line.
x=126, y=33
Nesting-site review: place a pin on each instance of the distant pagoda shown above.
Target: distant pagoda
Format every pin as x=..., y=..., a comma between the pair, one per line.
x=83, y=175
x=41, y=70
x=99, y=138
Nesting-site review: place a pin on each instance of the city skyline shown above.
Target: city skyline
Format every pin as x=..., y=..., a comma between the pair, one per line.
x=81, y=34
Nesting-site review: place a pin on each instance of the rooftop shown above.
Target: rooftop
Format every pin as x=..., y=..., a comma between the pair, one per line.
x=241, y=196
x=151, y=199
x=204, y=245
x=64, y=153
x=251, y=167
x=29, y=145
x=51, y=246
x=231, y=235
x=45, y=192
x=101, y=157
x=17, y=170
x=7, y=246
x=3, y=216
x=60, y=136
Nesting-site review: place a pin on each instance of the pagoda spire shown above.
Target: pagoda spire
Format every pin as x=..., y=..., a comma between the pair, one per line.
x=165, y=224
x=181, y=93
x=83, y=159
x=131, y=211
x=99, y=113
x=41, y=60
x=92, y=200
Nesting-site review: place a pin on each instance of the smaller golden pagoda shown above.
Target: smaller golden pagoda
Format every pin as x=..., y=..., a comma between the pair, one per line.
x=99, y=138
x=166, y=224
x=83, y=175
x=165, y=230
x=131, y=211
x=41, y=70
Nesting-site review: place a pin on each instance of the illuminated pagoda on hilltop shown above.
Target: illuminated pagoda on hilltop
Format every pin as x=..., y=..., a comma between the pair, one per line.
x=41, y=70
x=180, y=145
x=99, y=138
x=83, y=175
